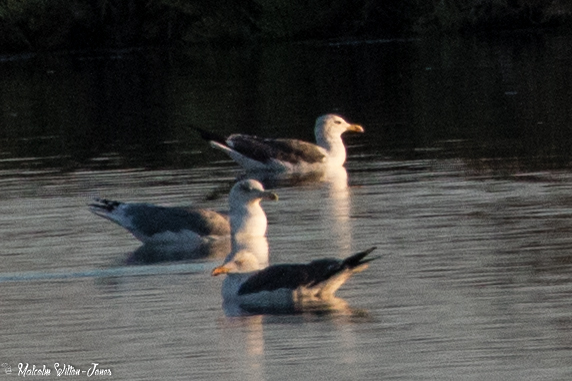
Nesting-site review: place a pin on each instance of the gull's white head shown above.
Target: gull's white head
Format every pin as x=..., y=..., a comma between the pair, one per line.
x=246, y=192
x=334, y=125
x=329, y=129
x=243, y=262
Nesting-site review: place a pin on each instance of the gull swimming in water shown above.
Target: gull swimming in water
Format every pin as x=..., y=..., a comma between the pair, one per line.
x=192, y=227
x=288, y=155
x=285, y=286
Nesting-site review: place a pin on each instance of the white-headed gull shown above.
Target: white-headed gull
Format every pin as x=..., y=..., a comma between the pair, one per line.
x=289, y=155
x=154, y=224
x=285, y=286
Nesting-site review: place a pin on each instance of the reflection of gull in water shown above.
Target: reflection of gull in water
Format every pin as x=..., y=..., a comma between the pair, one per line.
x=285, y=287
x=289, y=155
x=329, y=200
x=165, y=252
x=177, y=233
x=332, y=306
x=336, y=176
x=336, y=209
x=245, y=336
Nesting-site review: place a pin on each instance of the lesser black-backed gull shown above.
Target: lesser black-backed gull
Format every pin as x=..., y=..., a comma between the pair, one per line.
x=284, y=286
x=289, y=155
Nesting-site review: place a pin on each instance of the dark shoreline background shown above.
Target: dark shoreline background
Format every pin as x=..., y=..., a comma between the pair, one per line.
x=41, y=25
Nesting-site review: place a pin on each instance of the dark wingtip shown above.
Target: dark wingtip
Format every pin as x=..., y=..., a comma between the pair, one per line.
x=105, y=204
x=210, y=136
x=96, y=202
x=369, y=250
x=358, y=258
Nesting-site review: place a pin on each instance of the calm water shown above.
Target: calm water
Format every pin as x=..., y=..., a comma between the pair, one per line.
x=462, y=180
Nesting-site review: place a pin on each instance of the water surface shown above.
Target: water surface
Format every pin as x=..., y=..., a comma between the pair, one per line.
x=462, y=181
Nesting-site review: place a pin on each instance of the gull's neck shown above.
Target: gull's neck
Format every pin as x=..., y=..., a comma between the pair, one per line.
x=333, y=144
x=248, y=220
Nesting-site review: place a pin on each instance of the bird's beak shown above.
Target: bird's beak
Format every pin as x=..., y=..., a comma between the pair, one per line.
x=219, y=270
x=271, y=196
x=355, y=128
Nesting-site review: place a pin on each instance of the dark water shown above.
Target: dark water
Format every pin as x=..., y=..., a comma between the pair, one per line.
x=462, y=181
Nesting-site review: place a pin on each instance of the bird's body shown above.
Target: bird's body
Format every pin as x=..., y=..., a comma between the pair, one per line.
x=285, y=285
x=152, y=224
x=288, y=155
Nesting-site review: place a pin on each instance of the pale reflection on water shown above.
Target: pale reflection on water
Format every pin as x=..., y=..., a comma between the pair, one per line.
x=473, y=282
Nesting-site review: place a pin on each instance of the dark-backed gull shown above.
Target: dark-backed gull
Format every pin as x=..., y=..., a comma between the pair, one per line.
x=289, y=155
x=285, y=286
x=154, y=224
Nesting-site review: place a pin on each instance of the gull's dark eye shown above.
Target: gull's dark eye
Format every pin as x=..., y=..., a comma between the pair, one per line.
x=338, y=122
